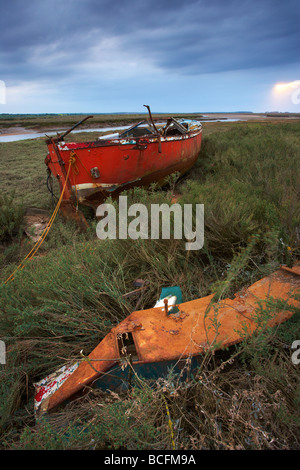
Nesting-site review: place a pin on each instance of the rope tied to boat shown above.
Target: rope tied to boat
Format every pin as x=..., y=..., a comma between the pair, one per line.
x=45, y=232
x=74, y=163
x=73, y=157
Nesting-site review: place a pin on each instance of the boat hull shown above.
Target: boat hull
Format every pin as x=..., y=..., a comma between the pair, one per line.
x=107, y=167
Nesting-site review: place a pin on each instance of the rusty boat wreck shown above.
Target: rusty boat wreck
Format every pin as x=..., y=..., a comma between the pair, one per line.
x=170, y=335
x=145, y=153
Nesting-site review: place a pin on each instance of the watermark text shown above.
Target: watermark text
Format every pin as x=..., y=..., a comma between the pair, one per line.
x=2, y=92
x=2, y=352
x=296, y=354
x=186, y=222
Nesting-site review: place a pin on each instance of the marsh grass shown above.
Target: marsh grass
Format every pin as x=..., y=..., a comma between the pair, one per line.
x=11, y=218
x=251, y=185
x=23, y=172
x=71, y=294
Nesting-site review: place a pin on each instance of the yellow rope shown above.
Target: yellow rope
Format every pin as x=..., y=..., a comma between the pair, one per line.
x=46, y=230
x=169, y=423
x=73, y=156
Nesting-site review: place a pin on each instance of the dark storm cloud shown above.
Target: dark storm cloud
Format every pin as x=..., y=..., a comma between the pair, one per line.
x=41, y=39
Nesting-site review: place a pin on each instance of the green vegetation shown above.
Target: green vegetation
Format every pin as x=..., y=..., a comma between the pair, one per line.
x=23, y=172
x=70, y=295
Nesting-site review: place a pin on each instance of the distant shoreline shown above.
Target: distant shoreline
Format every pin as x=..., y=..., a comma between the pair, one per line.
x=120, y=119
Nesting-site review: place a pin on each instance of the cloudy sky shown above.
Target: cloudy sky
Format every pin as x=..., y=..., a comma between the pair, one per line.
x=93, y=56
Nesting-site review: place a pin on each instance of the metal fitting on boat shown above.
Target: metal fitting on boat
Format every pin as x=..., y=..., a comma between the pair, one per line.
x=95, y=172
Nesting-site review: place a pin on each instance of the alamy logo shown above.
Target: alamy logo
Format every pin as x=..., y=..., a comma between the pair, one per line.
x=296, y=354
x=148, y=226
x=296, y=92
x=2, y=352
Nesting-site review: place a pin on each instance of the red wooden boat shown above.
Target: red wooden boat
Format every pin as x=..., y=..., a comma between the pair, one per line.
x=144, y=153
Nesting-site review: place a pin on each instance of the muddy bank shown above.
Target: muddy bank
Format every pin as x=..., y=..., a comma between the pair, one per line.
x=15, y=131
